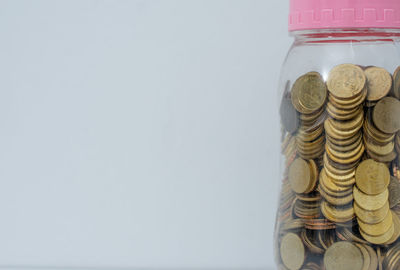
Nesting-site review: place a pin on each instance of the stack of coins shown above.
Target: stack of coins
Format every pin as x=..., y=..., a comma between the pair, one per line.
x=371, y=195
x=340, y=201
x=379, y=84
x=347, y=91
x=379, y=145
x=308, y=98
x=344, y=147
x=379, y=132
x=392, y=258
x=303, y=177
x=307, y=206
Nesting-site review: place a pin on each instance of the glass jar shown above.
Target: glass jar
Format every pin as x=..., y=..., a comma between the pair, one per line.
x=339, y=204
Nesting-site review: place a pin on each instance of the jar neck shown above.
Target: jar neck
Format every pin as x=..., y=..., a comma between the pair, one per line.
x=346, y=35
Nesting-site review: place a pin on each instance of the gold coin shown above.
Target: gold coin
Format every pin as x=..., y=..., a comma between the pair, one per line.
x=344, y=166
x=396, y=234
x=337, y=201
x=394, y=192
x=372, y=177
x=347, y=104
x=342, y=133
x=311, y=197
x=391, y=257
x=366, y=257
x=375, y=132
x=344, y=256
x=310, y=145
x=346, y=148
x=368, y=134
x=309, y=135
x=385, y=159
x=315, y=155
x=356, y=155
x=370, y=202
x=337, y=134
x=386, y=115
x=378, y=228
x=340, y=166
x=339, y=174
x=340, y=180
x=299, y=175
x=379, y=83
x=309, y=93
x=330, y=184
x=310, y=149
x=292, y=251
x=340, y=111
x=312, y=117
x=379, y=149
x=371, y=217
x=343, y=115
x=351, y=124
x=314, y=176
x=346, y=81
x=343, y=155
x=373, y=256
x=306, y=210
x=307, y=154
x=315, y=123
x=344, y=142
x=381, y=239
x=348, y=183
x=334, y=194
x=340, y=214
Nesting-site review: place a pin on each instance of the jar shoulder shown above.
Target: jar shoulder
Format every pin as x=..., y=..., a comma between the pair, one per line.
x=305, y=57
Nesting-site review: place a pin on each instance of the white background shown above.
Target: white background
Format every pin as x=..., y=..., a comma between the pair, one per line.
x=140, y=133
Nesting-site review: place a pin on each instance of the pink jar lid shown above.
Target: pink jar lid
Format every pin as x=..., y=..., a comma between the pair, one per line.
x=342, y=14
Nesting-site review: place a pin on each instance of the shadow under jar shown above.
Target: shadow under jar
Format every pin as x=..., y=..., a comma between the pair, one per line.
x=339, y=90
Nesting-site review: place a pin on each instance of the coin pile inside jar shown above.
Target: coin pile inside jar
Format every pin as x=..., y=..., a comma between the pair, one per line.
x=371, y=196
x=340, y=199
x=308, y=98
x=379, y=145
